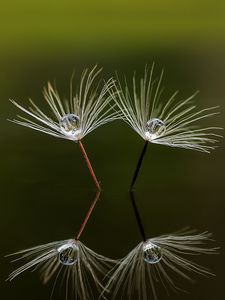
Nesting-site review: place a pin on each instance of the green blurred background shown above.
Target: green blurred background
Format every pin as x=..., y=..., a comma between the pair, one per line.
x=45, y=186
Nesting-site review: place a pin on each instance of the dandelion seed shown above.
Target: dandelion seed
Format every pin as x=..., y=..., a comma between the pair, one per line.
x=156, y=261
x=87, y=109
x=70, y=261
x=171, y=123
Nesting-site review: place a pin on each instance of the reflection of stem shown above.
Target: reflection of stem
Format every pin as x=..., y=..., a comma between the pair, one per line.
x=138, y=217
x=140, y=160
x=89, y=165
x=89, y=213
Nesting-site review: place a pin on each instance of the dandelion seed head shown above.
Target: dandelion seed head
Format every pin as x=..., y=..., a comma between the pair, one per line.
x=154, y=129
x=152, y=252
x=171, y=122
x=68, y=253
x=87, y=108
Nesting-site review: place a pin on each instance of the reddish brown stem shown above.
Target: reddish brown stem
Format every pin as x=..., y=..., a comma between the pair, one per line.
x=89, y=165
x=87, y=217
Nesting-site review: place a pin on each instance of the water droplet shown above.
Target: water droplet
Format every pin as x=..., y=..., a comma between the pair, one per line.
x=155, y=127
x=68, y=254
x=69, y=123
x=152, y=253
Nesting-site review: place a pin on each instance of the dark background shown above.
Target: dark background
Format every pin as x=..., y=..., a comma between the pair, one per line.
x=45, y=185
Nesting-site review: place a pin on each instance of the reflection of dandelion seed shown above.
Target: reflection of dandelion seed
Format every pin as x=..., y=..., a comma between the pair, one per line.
x=147, y=265
x=69, y=260
x=171, y=123
x=85, y=111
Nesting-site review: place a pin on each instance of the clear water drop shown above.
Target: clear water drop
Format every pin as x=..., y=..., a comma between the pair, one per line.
x=68, y=254
x=69, y=123
x=155, y=127
x=152, y=253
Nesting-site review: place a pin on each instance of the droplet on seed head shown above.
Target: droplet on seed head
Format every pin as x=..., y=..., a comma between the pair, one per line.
x=69, y=124
x=152, y=253
x=154, y=128
x=68, y=254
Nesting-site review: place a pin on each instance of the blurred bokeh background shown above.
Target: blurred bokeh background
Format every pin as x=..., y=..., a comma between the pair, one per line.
x=45, y=186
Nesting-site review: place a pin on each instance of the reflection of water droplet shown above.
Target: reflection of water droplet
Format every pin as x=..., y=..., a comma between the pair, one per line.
x=69, y=123
x=155, y=127
x=152, y=253
x=68, y=254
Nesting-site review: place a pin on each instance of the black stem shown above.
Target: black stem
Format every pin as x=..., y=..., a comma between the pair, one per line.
x=140, y=160
x=137, y=215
